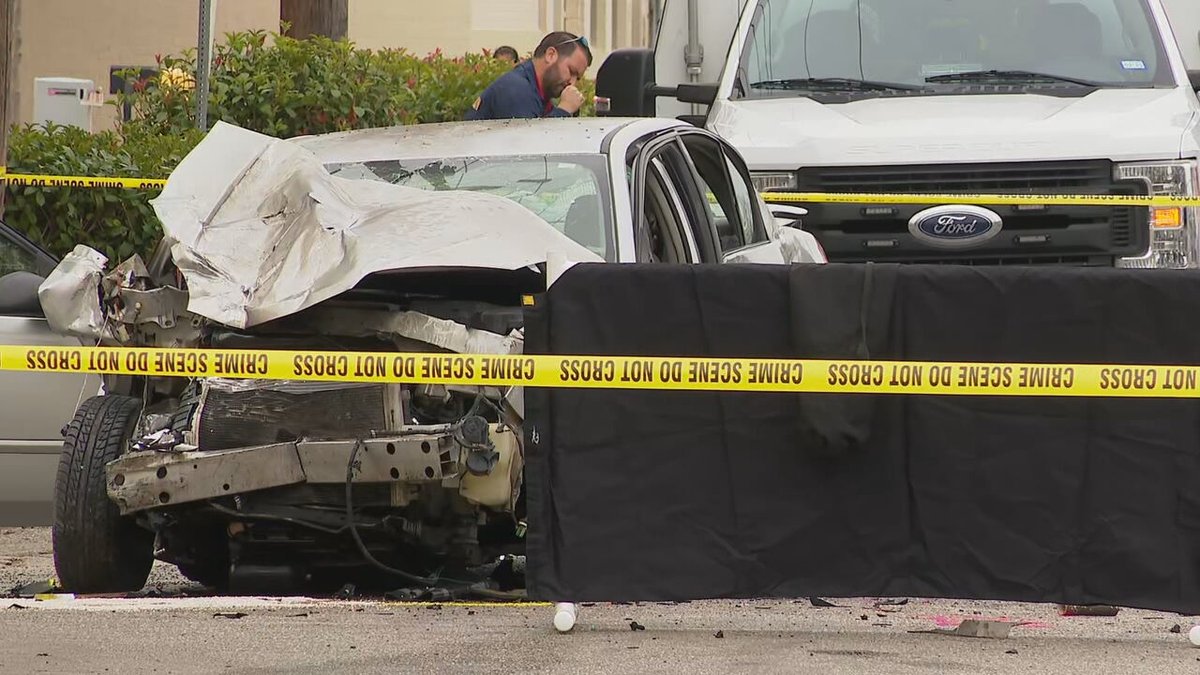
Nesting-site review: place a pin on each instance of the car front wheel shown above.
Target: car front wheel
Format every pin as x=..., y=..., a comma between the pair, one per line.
x=96, y=549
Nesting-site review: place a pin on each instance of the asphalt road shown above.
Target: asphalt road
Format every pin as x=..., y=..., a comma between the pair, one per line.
x=186, y=633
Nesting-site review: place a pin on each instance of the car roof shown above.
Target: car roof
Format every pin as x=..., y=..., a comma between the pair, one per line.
x=548, y=136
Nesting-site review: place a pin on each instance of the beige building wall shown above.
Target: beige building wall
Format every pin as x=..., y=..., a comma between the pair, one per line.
x=83, y=38
x=459, y=26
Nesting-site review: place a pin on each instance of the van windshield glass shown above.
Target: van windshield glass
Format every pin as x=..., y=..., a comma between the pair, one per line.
x=916, y=47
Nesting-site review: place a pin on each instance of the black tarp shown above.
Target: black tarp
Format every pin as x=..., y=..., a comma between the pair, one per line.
x=648, y=496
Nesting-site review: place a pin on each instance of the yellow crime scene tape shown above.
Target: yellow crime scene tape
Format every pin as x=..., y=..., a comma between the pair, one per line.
x=817, y=376
x=46, y=180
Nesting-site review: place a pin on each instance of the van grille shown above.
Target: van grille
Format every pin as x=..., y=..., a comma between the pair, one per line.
x=1062, y=235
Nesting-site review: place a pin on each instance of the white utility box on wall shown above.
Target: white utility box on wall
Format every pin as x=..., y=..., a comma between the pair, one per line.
x=63, y=100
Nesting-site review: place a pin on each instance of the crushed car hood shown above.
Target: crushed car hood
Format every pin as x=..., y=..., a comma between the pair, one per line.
x=260, y=230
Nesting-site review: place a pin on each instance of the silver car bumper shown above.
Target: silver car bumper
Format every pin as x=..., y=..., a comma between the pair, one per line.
x=138, y=481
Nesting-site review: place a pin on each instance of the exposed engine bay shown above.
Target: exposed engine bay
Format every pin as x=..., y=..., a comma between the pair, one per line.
x=260, y=485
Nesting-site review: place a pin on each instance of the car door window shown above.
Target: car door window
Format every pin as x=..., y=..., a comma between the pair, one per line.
x=14, y=258
x=686, y=228
x=22, y=268
x=663, y=225
x=753, y=231
x=691, y=200
x=663, y=220
x=728, y=193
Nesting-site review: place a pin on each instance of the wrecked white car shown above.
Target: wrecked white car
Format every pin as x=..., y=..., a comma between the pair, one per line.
x=422, y=238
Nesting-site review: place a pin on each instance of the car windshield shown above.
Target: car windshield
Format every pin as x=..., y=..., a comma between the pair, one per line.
x=567, y=191
x=922, y=47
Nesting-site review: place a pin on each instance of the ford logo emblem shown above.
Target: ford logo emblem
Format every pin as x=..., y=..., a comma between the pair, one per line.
x=955, y=226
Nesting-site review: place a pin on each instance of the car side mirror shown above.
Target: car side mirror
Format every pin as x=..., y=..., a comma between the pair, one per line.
x=787, y=214
x=19, y=294
x=1194, y=78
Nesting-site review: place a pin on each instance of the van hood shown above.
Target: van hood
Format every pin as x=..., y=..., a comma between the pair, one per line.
x=1116, y=124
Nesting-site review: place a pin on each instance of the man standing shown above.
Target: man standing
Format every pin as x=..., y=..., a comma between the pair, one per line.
x=527, y=91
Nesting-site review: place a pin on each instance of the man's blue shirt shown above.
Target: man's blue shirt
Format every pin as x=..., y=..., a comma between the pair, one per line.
x=514, y=95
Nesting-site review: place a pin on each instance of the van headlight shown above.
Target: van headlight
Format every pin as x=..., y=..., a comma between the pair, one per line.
x=1174, y=243
x=773, y=181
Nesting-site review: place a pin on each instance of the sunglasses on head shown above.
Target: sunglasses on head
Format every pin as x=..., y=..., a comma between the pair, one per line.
x=580, y=39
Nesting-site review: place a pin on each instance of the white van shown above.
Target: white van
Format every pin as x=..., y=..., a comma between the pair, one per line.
x=1185, y=21
x=930, y=96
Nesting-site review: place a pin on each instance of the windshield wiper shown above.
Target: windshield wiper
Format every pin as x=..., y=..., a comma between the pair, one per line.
x=832, y=84
x=1021, y=76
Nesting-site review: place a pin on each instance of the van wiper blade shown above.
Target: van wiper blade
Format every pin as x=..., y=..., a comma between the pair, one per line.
x=1021, y=76
x=832, y=84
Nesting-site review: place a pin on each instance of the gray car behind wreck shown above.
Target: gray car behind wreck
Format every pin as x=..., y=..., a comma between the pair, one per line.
x=417, y=239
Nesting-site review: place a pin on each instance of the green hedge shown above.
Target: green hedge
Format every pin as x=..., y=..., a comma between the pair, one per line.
x=265, y=82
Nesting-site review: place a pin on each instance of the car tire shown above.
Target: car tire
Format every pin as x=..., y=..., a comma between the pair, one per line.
x=181, y=419
x=96, y=549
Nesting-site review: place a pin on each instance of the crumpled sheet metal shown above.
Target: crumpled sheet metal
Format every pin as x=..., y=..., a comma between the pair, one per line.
x=260, y=230
x=238, y=386
x=798, y=246
x=70, y=296
x=442, y=333
x=453, y=336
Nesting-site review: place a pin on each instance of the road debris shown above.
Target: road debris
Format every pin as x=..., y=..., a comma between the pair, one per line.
x=35, y=588
x=1087, y=610
x=230, y=615
x=720, y=635
x=975, y=628
x=820, y=602
x=635, y=626
x=1176, y=629
x=944, y=621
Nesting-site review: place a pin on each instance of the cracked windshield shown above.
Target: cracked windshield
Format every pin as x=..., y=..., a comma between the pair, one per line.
x=564, y=191
x=914, y=47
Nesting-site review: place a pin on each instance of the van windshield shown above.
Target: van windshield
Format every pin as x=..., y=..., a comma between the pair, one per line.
x=915, y=47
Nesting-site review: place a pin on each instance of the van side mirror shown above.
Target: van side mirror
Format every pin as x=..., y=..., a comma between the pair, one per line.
x=625, y=86
x=625, y=79
x=703, y=94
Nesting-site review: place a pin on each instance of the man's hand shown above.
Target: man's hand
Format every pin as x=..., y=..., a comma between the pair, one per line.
x=571, y=99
